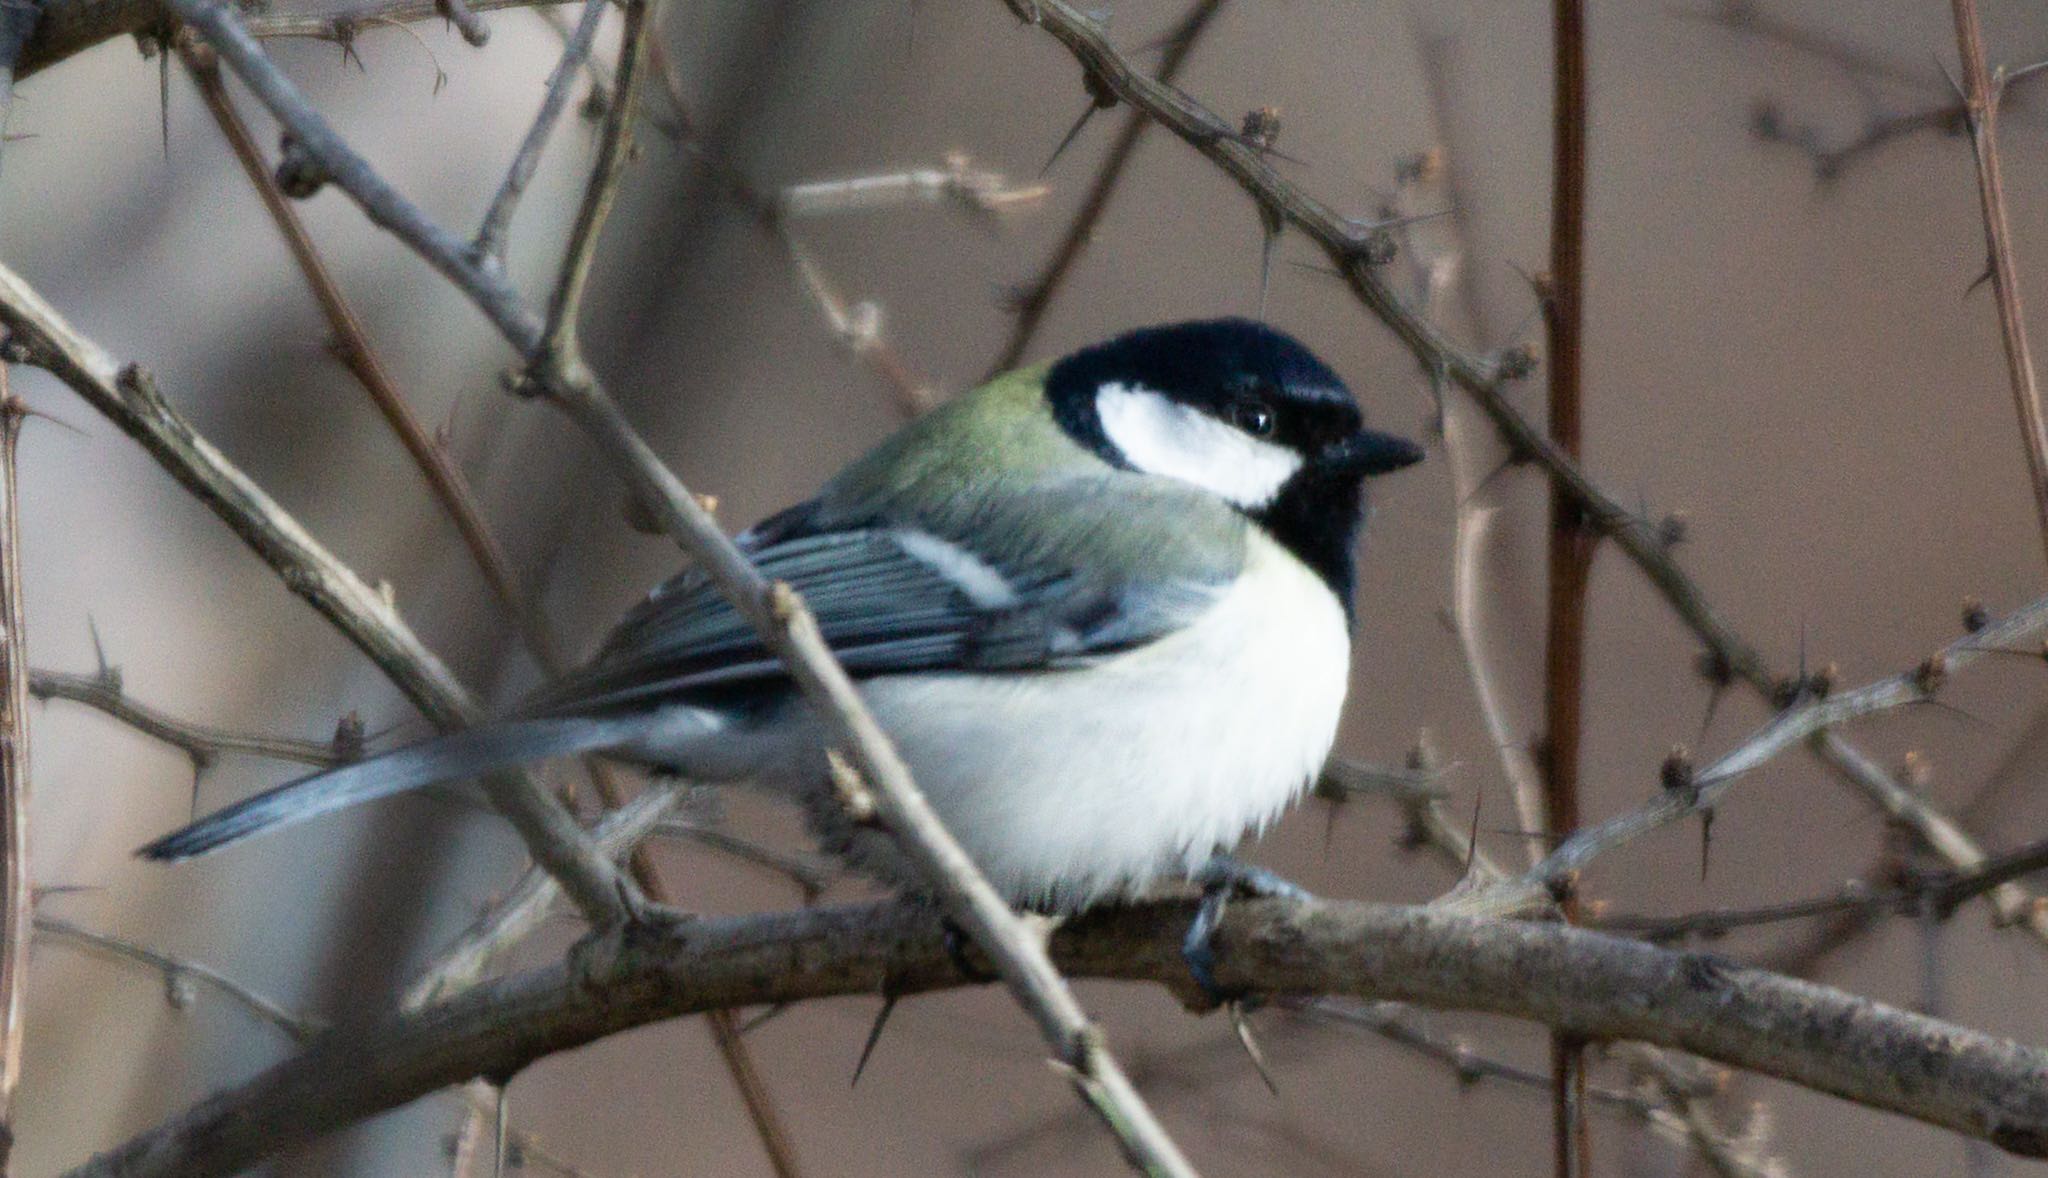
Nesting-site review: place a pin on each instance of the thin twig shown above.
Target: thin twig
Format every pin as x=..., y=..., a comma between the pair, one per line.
x=1396, y=1022
x=858, y=328
x=469, y=956
x=1937, y=892
x=958, y=183
x=1032, y=302
x=128, y=396
x=1688, y=791
x=352, y=346
x=1595, y=986
x=103, y=692
x=490, y=236
x=17, y=880
x=808, y=874
x=560, y=343
x=69, y=27
x=1981, y=93
x=179, y=973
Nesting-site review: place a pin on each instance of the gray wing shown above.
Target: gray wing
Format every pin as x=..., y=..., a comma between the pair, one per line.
x=889, y=599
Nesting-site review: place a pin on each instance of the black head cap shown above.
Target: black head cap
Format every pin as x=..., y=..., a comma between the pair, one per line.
x=1286, y=413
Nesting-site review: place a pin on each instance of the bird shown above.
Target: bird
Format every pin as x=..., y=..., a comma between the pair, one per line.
x=1103, y=606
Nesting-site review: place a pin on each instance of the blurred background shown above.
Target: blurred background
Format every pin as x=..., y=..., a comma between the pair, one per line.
x=1782, y=344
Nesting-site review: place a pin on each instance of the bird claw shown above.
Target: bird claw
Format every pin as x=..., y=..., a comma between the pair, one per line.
x=957, y=944
x=1220, y=879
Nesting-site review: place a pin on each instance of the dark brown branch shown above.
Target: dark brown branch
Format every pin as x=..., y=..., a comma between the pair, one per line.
x=1571, y=545
x=352, y=346
x=17, y=881
x=1598, y=987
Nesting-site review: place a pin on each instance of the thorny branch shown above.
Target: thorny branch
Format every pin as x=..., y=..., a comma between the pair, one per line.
x=1936, y=893
x=202, y=744
x=1981, y=94
x=180, y=975
x=1032, y=302
x=1815, y=711
x=1591, y=985
x=449, y=486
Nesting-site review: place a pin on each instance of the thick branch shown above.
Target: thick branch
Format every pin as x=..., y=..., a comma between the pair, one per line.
x=1590, y=985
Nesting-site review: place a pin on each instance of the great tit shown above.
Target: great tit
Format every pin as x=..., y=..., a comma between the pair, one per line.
x=1103, y=606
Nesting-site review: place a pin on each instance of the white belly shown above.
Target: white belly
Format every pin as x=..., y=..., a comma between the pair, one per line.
x=1071, y=787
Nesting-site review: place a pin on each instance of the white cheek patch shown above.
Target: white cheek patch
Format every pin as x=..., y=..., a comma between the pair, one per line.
x=1160, y=436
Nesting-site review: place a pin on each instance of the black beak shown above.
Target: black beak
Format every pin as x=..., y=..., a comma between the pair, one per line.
x=1367, y=453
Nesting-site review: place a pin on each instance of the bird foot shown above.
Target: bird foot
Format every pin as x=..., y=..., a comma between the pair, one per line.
x=1221, y=879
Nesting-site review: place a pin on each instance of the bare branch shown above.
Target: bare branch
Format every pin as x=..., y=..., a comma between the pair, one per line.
x=202, y=744
x=450, y=488
x=1981, y=96
x=1585, y=983
x=1033, y=301
x=490, y=237
x=1688, y=791
x=959, y=183
x=17, y=880
x=466, y=959
x=127, y=395
x=858, y=328
x=180, y=973
x=69, y=27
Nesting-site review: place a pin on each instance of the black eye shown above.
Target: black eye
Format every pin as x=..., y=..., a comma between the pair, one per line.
x=1253, y=417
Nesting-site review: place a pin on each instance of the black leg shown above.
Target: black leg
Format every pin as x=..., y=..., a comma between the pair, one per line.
x=957, y=943
x=1220, y=879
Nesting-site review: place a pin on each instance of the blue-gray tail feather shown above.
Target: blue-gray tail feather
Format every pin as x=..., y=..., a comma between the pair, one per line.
x=445, y=758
